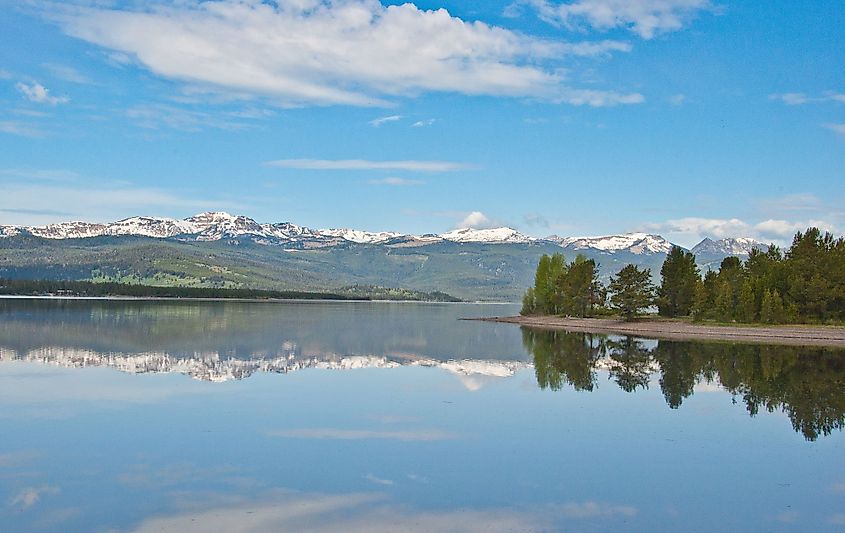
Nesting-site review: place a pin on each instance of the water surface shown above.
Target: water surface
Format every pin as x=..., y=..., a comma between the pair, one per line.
x=321, y=416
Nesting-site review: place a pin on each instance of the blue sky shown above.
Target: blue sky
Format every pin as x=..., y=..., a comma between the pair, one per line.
x=688, y=118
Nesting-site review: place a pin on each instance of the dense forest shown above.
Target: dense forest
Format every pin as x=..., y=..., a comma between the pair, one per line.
x=105, y=289
x=804, y=284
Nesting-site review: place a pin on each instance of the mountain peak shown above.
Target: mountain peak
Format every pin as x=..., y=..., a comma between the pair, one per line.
x=492, y=235
x=637, y=243
x=738, y=246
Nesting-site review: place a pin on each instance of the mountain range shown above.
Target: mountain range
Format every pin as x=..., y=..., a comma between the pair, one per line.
x=220, y=249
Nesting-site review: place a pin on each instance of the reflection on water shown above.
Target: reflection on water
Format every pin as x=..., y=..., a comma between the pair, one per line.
x=808, y=384
x=433, y=424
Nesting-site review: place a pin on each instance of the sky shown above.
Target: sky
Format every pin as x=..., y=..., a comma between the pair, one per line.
x=687, y=118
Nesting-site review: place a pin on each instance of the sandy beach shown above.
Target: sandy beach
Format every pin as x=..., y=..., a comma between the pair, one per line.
x=801, y=335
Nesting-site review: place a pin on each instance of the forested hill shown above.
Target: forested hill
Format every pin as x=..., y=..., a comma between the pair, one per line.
x=107, y=289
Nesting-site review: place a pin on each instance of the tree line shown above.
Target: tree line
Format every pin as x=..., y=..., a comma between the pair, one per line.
x=805, y=283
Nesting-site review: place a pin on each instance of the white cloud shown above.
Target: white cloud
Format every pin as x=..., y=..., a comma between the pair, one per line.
x=379, y=121
x=66, y=73
x=324, y=52
x=838, y=128
x=688, y=231
x=803, y=98
x=39, y=94
x=19, y=128
x=646, y=18
x=677, y=99
x=371, y=513
x=476, y=220
x=363, y=164
x=28, y=497
x=533, y=219
x=791, y=98
x=378, y=481
x=396, y=182
x=362, y=434
x=158, y=116
x=424, y=123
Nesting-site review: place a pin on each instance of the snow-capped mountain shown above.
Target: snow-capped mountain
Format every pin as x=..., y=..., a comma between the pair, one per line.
x=636, y=243
x=741, y=246
x=212, y=366
x=494, y=235
x=218, y=225
x=361, y=237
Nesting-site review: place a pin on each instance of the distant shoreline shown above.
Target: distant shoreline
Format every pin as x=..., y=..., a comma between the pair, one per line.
x=799, y=335
x=254, y=300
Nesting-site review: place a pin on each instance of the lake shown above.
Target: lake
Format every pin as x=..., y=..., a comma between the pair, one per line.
x=359, y=416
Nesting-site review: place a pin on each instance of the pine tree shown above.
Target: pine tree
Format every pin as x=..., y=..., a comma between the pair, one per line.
x=679, y=276
x=747, y=308
x=632, y=291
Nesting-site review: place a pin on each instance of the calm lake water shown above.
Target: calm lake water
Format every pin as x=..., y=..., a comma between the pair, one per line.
x=319, y=416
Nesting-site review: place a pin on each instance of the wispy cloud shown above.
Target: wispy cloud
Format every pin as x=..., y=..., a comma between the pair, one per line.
x=159, y=116
x=646, y=18
x=362, y=434
x=837, y=128
x=39, y=94
x=535, y=220
x=358, y=512
x=423, y=123
x=39, y=174
x=67, y=73
x=43, y=203
x=677, y=99
x=383, y=120
x=396, y=182
x=379, y=481
x=20, y=128
x=803, y=98
x=332, y=53
x=363, y=164
x=28, y=497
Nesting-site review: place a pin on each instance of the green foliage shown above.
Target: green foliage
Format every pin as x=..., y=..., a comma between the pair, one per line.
x=631, y=291
x=564, y=288
x=680, y=276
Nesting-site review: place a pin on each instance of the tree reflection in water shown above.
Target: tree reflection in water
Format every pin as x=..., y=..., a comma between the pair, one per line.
x=806, y=383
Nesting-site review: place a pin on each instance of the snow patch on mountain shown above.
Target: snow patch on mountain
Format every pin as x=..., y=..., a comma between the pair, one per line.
x=636, y=243
x=359, y=236
x=493, y=235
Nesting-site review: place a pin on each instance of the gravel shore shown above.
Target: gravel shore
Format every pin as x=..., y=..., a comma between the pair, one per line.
x=670, y=329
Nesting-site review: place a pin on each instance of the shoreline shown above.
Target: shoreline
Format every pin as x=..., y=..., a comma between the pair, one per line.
x=795, y=335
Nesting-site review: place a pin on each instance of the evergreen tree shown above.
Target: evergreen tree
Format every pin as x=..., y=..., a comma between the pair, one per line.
x=679, y=275
x=747, y=308
x=631, y=291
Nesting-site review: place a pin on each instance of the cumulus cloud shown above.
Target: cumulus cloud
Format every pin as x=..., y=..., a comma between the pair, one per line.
x=322, y=52
x=383, y=120
x=39, y=94
x=646, y=18
x=363, y=164
x=692, y=229
x=476, y=220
